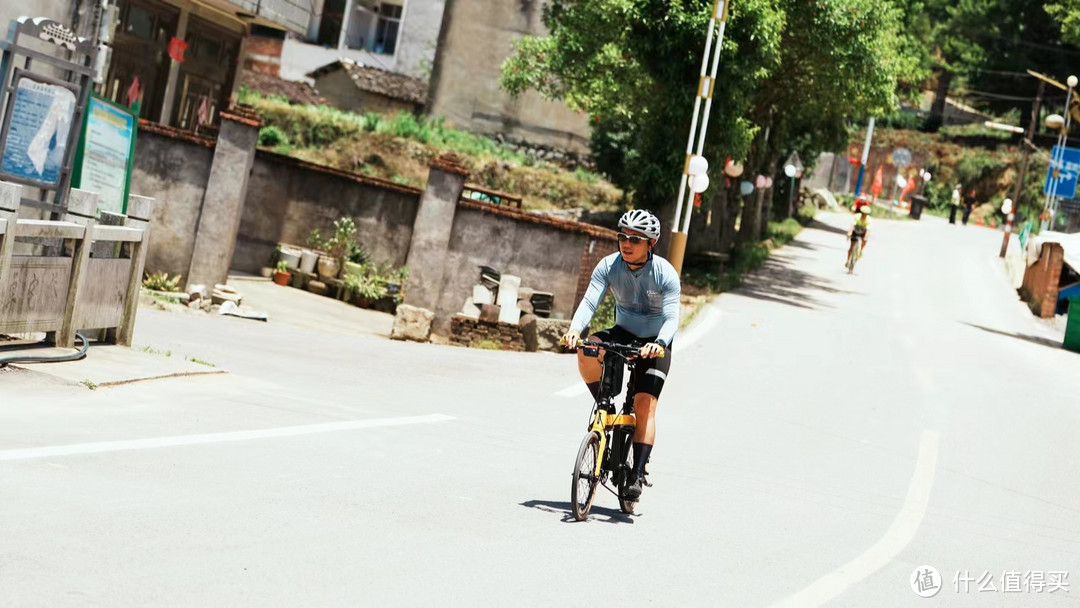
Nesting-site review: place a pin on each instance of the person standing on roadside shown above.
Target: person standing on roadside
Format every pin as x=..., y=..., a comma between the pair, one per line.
x=969, y=204
x=954, y=206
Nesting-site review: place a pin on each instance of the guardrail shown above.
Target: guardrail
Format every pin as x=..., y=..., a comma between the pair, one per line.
x=73, y=290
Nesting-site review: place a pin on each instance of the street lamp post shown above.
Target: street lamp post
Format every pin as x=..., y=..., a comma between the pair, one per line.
x=697, y=182
x=1010, y=216
x=1058, y=159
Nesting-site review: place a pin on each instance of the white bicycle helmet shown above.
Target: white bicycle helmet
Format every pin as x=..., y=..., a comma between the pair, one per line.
x=642, y=221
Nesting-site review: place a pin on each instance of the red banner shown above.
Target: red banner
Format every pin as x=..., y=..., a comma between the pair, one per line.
x=176, y=49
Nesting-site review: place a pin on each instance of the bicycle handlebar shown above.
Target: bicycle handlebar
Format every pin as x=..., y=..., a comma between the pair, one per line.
x=626, y=351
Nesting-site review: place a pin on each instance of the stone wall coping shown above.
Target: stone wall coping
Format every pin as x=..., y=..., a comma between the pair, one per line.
x=174, y=133
x=535, y=218
x=356, y=177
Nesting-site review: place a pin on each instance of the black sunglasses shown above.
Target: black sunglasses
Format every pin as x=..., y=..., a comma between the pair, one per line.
x=633, y=238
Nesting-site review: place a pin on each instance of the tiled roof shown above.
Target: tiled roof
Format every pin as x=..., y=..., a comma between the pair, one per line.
x=375, y=80
x=267, y=84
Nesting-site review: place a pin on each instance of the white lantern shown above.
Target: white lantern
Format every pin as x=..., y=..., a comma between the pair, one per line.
x=1007, y=206
x=1072, y=81
x=789, y=170
x=926, y=176
x=760, y=181
x=768, y=182
x=698, y=165
x=1055, y=121
x=699, y=183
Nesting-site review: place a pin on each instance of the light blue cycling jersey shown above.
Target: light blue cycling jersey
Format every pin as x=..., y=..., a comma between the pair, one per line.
x=646, y=300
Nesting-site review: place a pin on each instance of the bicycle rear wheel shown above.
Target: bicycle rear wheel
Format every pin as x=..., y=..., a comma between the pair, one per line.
x=585, y=479
x=854, y=256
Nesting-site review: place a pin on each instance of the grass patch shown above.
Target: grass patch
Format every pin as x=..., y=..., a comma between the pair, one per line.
x=154, y=351
x=400, y=147
x=488, y=345
x=201, y=362
x=90, y=384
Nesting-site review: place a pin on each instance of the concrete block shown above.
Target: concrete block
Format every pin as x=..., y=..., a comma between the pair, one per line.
x=412, y=323
x=509, y=314
x=470, y=310
x=525, y=306
x=482, y=295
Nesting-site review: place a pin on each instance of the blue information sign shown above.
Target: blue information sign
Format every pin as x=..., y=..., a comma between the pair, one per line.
x=1069, y=169
x=38, y=133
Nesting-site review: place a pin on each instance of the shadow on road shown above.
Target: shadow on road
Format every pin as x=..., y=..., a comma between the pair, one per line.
x=780, y=281
x=1028, y=338
x=819, y=225
x=613, y=516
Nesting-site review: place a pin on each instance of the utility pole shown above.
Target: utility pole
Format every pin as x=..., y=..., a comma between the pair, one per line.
x=1028, y=145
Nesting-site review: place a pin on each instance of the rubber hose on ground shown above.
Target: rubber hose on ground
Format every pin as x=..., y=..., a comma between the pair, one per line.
x=53, y=359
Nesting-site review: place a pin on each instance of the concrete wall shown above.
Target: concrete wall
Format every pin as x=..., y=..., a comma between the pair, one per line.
x=477, y=36
x=174, y=170
x=339, y=89
x=287, y=198
x=419, y=37
x=546, y=258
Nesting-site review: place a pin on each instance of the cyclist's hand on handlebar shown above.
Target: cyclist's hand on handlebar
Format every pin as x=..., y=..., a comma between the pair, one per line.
x=651, y=350
x=570, y=339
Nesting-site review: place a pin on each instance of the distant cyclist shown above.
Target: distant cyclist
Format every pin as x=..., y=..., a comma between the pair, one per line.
x=860, y=230
x=646, y=289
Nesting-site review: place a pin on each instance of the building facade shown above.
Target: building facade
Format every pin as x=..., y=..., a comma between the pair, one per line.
x=477, y=37
x=394, y=35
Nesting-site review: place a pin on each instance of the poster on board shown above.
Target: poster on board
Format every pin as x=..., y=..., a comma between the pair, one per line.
x=106, y=151
x=38, y=132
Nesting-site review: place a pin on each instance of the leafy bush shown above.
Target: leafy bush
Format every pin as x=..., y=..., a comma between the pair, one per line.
x=160, y=281
x=783, y=232
x=272, y=136
x=805, y=214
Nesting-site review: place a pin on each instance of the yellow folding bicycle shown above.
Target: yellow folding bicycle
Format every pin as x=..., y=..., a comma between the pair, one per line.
x=606, y=452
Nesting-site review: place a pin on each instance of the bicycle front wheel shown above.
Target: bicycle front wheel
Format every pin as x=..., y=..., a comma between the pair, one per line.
x=585, y=479
x=625, y=504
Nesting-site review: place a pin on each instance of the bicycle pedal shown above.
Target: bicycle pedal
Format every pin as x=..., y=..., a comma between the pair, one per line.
x=645, y=482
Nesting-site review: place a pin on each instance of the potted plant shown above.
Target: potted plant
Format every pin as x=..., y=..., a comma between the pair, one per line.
x=282, y=275
x=336, y=248
x=308, y=257
x=364, y=289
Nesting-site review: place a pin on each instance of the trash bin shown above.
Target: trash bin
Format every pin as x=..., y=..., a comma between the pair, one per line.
x=917, y=204
x=1072, y=326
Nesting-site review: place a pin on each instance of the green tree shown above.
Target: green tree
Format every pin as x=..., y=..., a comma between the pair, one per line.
x=799, y=70
x=1066, y=12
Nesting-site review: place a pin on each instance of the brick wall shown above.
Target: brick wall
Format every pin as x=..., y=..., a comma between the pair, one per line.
x=471, y=332
x=601, y=247
x=264, y=55
x=1041, y=280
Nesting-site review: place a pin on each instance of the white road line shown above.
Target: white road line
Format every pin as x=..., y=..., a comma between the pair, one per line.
x=896, y=538
x=165, y=442
x=709, y=317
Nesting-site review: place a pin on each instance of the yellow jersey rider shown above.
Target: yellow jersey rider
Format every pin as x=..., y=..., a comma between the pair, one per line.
x=859, y=230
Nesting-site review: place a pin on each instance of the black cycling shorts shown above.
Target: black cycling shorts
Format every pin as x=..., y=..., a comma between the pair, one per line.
x=651, y=373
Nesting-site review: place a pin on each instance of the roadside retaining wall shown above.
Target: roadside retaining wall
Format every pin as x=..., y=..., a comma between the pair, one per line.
x=1041, y=280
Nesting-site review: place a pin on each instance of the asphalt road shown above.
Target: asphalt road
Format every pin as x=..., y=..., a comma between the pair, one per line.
x=822, y=436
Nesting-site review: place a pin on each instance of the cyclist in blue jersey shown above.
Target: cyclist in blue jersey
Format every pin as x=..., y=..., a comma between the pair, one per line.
x=646, y=290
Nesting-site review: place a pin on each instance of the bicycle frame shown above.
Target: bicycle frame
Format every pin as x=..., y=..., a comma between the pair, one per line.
x=604, y=419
